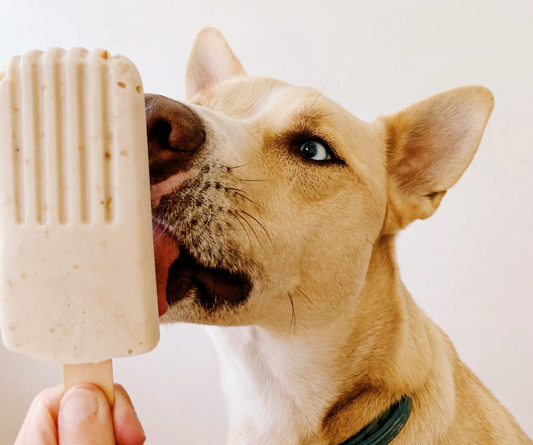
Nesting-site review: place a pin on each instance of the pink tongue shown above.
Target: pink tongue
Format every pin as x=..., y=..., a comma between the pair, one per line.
x=166, y=252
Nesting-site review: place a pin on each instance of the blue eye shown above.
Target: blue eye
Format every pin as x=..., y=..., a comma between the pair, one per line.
x=315, y=150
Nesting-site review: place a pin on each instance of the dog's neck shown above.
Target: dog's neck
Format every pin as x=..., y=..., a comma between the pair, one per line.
x=309, y=387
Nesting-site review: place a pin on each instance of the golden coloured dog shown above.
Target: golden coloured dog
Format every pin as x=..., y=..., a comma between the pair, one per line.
x=276, y=213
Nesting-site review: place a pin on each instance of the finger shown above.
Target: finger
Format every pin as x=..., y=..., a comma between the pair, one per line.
x=85, y=417
x=128, y=429
x=39, y=427
x=52, y=400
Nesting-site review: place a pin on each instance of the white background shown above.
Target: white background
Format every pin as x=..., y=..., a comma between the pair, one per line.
x=470, y=266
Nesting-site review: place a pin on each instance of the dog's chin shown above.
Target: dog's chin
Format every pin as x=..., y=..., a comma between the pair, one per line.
x=180, y=276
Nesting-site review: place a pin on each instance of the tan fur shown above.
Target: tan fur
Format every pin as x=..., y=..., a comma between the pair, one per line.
x=329, y=337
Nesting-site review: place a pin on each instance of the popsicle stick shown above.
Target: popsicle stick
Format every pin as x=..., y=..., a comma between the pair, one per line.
x=99, y=374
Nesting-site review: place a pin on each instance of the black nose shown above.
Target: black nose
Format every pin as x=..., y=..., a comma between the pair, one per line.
x=175, y=134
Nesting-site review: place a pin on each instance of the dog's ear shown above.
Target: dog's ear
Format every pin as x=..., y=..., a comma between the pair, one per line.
x=430, y=145
x=211, y=61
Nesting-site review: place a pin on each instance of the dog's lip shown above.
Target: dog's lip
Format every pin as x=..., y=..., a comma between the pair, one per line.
x=166, y=251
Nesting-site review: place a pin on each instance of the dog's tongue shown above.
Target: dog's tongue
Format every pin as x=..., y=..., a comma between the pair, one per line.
x=166, y=252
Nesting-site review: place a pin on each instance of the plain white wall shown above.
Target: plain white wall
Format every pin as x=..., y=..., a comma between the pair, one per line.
x=469, y=266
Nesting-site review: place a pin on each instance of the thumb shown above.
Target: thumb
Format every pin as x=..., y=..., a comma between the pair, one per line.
x=85, y=417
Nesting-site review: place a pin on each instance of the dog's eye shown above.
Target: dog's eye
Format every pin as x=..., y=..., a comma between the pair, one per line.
x=315, y=150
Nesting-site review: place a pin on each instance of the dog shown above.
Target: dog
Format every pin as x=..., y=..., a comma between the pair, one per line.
x=275, y=216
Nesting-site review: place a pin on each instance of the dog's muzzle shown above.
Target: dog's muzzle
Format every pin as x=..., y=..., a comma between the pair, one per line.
x=175, y=136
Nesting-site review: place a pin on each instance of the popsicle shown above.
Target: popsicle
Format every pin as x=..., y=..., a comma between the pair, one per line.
x=77, y=274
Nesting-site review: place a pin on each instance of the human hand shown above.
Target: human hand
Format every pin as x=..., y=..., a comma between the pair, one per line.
x=81, y=416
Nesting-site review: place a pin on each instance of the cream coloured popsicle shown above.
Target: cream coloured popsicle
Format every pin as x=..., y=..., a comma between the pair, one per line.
x=77, y=275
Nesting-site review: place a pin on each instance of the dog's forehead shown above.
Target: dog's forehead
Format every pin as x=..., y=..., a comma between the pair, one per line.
x=250, y=98
x=258, y=98
x=294, y=108
x=239, y=96
x=273, y=107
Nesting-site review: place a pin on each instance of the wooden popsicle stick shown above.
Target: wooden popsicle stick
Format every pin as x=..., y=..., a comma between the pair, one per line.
x=99, y=374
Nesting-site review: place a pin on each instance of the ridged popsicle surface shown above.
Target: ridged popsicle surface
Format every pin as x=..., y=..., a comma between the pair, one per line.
x=77, y=275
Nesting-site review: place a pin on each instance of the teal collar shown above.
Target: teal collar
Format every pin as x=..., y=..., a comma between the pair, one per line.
x=386, y=427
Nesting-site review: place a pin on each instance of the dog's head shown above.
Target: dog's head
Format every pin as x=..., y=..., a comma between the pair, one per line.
x=268, y=196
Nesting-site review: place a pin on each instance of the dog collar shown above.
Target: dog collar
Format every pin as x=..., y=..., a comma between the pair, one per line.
x=386, y=427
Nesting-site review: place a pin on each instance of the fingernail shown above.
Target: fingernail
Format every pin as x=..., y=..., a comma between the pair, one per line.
x=78, y=405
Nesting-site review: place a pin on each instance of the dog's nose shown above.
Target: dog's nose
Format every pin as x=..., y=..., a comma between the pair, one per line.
x=175, y=133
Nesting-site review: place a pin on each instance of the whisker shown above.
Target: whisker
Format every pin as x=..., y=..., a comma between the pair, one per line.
x=238, y=166
x=158, y=224
x=249, y=225
x=293, y=316
x=248, y=199
x=253, y=180
x=242, y=195
x=306, y=297
x=233, y=188
x=367, y=240
x=244, y=228
x=329, y=114
x=223, y=234
x=321, y=91
x=207, y=223
x=266, y=233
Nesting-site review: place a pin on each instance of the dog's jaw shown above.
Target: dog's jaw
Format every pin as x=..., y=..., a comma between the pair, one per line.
x=197, y=274
x=320, y=384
